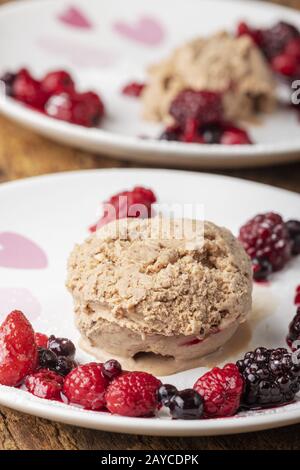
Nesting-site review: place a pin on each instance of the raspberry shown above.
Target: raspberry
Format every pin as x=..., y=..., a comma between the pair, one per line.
x=266, y=237
x=122, y=205
x=57, y=82
x=45, y=384
x=133, y=89
x=18, y=351
x=84, y=109
x=293, y=48
x=204, y=107
x=285, y=65
x=294, y=330
x=221, y=390
x=235, y=136
x=186, y=404
x=85, y=386
x=28, y=90
x=41, y=340
x=133, y=394
x=255, y=34
x=271, y=378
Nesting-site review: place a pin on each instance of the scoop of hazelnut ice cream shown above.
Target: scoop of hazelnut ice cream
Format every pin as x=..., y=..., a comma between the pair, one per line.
x=173, y=288
x=222, y=63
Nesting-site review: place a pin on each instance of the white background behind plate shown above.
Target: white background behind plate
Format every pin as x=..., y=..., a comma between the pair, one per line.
x=22, y=25
x=55, y=212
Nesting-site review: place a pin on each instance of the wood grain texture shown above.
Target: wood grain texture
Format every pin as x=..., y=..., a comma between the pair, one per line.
x=23, y=154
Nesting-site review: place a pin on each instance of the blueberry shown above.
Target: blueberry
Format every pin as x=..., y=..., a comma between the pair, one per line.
x=62, y=346
x=186, y=404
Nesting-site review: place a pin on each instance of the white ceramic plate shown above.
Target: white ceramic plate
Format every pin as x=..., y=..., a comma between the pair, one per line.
x=106, y=44
x=42, y=218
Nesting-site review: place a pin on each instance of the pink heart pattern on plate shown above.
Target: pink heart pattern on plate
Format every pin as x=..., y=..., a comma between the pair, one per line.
x=19, y=252
x=16, y=298
x=146, y=30
x=75, y=18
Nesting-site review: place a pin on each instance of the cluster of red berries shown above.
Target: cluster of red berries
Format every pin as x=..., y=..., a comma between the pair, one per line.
x=134, y=203
x=199, y=118
x=105, y=386
x=280, y=45
x=55, y=95
x=270, y=242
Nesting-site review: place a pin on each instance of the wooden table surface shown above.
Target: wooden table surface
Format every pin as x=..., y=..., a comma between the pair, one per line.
x=23, y=154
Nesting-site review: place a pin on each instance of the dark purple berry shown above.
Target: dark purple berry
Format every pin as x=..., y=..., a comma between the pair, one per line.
x=62, y=346
x=270, y=376
x=275, y=39
x=293, y=228
x=211, y=133
x=294, y=330
x=170, y=133
x=165, y=393
x=261, y=268
x=47, y=359
x=111, y=369
x=186, y=404
x=265, y=236
x=64, y=365
x=8, y=80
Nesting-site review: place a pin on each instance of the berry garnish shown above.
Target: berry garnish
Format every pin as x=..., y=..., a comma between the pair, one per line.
x=255, y=34
x=133, y=394
x=111, y=369
x=61, y=346
x=186, y=404
x=133, y=89
x=285, y=65
x=235, y=136
x=85, y=386
x=45, y=384
x=64, y=365
x=271, y=378
x=8, y=80
x=47, y=359
x=276, y=38
x=84, y=109
x=171, y=133
x=165, y=393
x=293, y=228
x=204, y=107
x=125, y=204
x=28, y=90
x=221, y=391
x=294, y=331
x=41, y=340
x=18, y=351
x=261, y=269
x=57, y=82
x=297, y=296
x=211, y=133
x=266, y=237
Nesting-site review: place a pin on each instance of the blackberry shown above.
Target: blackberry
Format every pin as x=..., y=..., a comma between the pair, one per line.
x=211, y=133
x=165, y=394
x=266, y=237
x=270, y=377
x=47, y=359
x=64, y=365
x=293, y=228
x=186, y=404
x=294, y=330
